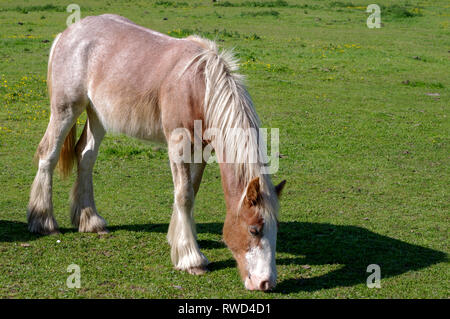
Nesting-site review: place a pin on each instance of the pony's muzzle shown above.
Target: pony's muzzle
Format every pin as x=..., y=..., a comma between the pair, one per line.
x=255, y=283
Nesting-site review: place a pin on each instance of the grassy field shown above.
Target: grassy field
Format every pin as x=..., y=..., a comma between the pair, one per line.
x=364, y=142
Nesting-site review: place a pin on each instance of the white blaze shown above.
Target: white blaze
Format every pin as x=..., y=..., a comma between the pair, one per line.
x=261, y=259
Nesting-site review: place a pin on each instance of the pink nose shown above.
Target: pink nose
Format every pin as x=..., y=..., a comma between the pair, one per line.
x=255, y=283
x=264, y=285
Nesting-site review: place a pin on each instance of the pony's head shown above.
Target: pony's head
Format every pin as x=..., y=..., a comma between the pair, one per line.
x=251, y=234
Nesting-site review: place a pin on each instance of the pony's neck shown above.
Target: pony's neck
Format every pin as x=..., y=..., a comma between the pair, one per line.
x=233, y=187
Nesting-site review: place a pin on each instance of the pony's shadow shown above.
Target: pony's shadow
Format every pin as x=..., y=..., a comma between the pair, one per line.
x=349, y=249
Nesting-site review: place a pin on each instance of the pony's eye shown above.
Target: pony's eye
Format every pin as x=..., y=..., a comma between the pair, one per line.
x=253, y=230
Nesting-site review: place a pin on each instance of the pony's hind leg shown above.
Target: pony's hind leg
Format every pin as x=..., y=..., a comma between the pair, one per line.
x=40, y=208
x=84, y=214
x=185, y=252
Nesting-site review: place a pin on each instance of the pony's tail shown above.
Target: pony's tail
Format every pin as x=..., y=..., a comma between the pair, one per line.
x=68, y=156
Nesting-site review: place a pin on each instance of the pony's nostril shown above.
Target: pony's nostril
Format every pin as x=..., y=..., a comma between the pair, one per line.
x=264, y=285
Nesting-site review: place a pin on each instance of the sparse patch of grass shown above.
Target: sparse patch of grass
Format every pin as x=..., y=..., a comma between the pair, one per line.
x=399, y=11
x=215, y=34
x=260, y=13
x=433, y=85
x=342, y=4
x=172, y=4
x=27, y=9
x=255, y=4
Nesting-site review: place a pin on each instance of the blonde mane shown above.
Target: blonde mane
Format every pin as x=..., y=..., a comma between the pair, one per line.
x=227, y=106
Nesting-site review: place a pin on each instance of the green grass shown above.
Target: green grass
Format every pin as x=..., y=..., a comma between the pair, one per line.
x=260, y=13
x=364, y=132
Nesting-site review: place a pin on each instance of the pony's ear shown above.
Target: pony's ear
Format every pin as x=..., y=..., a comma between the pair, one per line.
x=279, y=188
x=253, y=192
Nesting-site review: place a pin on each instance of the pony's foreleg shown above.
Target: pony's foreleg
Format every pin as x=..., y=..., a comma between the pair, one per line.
x=185, y=252
x=40, y=208
x=84, y=214
x=196, y=175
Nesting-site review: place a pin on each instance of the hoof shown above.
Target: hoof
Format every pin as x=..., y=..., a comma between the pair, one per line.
x=197, y=270
x=43, y=226
x=95, y=224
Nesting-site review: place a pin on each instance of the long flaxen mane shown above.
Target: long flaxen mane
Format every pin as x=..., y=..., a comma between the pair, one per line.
x=227, y=106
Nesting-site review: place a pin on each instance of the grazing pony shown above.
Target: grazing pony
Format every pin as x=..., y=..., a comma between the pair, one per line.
x=148, y=85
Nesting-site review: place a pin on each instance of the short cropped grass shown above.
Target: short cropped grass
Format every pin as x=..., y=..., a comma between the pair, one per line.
x=364, y=145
